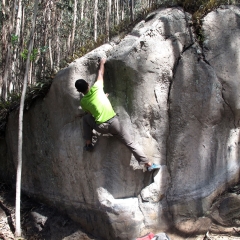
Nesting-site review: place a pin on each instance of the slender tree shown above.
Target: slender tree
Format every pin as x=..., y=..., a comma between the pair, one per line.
x=7, y=44
x=15, y=62
x=58, y=51
x=117, y=13
x=132, y=10
x=122, y=10
x=108, y=14
x=18, y=231
x=82, y=9
x=95, y=19
x=74, y=26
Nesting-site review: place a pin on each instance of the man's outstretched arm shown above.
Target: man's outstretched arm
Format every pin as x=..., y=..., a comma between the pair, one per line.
x=101, y=69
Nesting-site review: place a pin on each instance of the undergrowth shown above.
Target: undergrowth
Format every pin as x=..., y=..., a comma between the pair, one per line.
x=39, y=90
x=199, y=9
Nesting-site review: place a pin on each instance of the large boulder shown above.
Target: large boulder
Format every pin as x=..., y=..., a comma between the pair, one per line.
x=179, y=101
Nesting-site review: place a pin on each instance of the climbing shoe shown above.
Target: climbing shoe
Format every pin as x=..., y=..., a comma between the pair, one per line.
x=153, y=167
x=88, y=147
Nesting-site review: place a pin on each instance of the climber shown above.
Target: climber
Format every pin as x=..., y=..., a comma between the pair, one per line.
x=101, y=117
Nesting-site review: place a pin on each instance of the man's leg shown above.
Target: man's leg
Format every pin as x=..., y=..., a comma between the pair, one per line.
x=118, y=131
x=89, y=124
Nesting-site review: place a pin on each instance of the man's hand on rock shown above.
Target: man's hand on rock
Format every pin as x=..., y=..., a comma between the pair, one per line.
x=103, y=60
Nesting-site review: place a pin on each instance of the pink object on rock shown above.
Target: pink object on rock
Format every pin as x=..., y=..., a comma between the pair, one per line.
x=147, y=237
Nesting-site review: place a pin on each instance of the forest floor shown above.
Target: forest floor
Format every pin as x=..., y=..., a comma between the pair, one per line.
x=40, y=222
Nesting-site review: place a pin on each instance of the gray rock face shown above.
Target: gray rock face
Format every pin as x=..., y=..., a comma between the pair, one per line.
x=179, y=102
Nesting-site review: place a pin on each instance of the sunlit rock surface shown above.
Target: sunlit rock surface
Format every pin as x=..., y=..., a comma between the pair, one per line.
x=179, y=101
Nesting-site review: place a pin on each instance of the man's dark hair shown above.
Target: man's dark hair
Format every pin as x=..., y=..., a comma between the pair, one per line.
x=81, y=85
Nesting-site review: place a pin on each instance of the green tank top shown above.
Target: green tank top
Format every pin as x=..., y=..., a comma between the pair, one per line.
x=97, y=103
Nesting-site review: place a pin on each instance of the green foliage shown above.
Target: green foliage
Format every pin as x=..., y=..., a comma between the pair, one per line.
x=44, y=49
x=65, y=5
x=199, y=9
x=89, y=46
x=39, y=90
x=200, y=5
x=33, y=56
x=14, y=39
x=12, y=100
x=7, y=106
x=200, y=35
x=123, y=26
x=24, y=54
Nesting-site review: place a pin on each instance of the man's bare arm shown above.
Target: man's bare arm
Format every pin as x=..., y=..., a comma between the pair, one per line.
x=101, y=69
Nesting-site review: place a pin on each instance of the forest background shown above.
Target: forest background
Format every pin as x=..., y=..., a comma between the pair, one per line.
x=66, y=30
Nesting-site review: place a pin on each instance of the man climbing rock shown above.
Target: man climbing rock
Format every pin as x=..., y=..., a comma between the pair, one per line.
x=103, y=119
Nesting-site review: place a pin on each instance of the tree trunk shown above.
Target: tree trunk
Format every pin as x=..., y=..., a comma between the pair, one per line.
x=74, y=26
x=122, y=10
x=150, y=3
x=13, y=13
x=47, y=18
x=15, y=62
x=9, y=11
x=5, y=54
x=132, y=10
x=30, y=79
x=50, y=53
x=108, y=14
x=82, y=9
x=18, y=231
x=95, y=19
x=58, y=44
x=117, y=14
x=5, y=75
x=19, y=18
x=69, y=43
